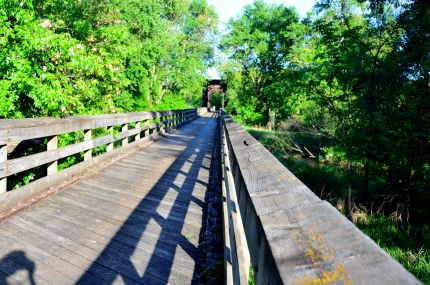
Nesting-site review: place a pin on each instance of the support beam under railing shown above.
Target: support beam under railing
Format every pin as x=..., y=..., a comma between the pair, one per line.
x=236, y=246
x=109, y=146
x=3, y=158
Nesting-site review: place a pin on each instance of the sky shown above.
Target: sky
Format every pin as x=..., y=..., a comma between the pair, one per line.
x=231, y=8
x=227, y=9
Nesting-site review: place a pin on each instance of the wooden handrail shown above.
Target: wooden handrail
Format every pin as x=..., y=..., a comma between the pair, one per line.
x=293, y=237
x=13, y=131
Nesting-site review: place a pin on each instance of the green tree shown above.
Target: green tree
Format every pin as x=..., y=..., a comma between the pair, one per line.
x=60, y=58
x=259, y=42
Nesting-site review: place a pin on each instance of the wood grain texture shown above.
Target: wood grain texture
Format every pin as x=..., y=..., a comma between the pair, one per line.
x=293, y=236
x=238, y=247
x=11, y=167
x=53, y=166
x=137, y=221
x=3, y=163
x=13, y=130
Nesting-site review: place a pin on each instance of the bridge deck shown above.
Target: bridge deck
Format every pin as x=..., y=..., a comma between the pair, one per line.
x=137, y=221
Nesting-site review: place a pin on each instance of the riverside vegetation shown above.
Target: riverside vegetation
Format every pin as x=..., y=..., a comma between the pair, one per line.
x=327, y=177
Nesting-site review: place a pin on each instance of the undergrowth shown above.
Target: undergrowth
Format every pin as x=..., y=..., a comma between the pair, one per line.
x=405, y=241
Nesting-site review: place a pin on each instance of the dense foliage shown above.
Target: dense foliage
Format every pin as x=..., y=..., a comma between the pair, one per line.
x=356, y=73
x=61, y=58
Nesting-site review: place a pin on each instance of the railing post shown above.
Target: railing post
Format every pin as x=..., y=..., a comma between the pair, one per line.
x=3, y=158
x=167, y=128
x=109, y=147
x=262, y=251
x=175, y=120
x=240, y=255
x=53, y=166
x=145, y=125
x=137, y=137
x=162, y=126
x=124, y=128
x=87, y=137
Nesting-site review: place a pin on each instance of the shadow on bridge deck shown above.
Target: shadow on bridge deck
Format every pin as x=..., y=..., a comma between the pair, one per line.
x=139, y=221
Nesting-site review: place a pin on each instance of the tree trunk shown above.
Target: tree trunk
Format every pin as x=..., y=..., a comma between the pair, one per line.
x=349, y=194
x=272, y=119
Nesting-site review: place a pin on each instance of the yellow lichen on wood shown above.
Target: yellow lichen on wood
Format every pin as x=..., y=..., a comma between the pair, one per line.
x=321, y=258
x=336, y=276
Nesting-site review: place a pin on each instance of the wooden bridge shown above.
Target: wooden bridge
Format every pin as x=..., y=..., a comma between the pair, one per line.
x=139, y=206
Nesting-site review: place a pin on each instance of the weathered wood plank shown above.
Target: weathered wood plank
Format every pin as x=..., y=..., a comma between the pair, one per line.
x=21, y=239
x=52, y=145
x=3, y=163
x=239, y=248
x=131, y=198
x=83, y=254
x=88, y=137
x=13, y=130
x=97, y=238
x=109, y=146
x=10, y=167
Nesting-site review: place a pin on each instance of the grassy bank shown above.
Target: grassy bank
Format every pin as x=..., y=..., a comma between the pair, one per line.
x=406, y=242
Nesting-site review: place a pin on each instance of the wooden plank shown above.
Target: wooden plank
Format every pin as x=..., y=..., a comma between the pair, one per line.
x=109, y=146
x=107, y=227
x=52, y=145
x=3, y=161
x=76, y=227
x=124, y=129
x=228, y=258
x=60, y=248
x=13, y=130
x=86, y=237
x=239, y=247
x=127, y=232
x=14, y=235
x=88, y=137
x=155, y=197
x=146, y=207
x=43, y=251
x=10, y=167
x=137, y=127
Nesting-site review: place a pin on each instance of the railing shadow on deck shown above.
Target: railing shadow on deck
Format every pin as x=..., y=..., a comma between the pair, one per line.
x=158, y=269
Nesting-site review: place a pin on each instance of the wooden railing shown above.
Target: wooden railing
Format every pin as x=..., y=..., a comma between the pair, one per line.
x=292, y=237
x=134, y=128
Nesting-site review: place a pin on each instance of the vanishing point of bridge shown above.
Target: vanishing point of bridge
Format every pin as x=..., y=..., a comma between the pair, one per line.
x=142, y=207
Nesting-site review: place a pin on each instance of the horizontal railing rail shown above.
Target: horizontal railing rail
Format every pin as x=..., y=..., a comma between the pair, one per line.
x=292, y=237
x=137, y=127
